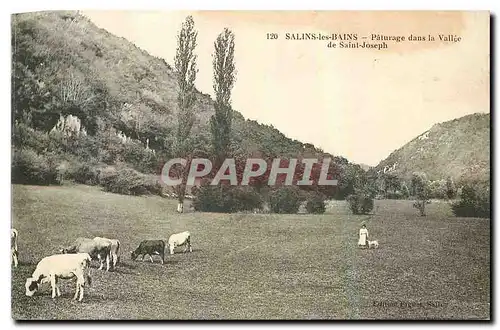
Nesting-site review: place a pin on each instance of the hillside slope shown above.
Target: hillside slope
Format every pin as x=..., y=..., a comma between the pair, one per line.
x=113, y=82
x=459, y=148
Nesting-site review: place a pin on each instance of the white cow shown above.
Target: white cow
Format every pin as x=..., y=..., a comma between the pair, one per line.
x=60, y=266
x=14, y=254
x=99, y=249
x=115, y=248
x=180, y=239
x=373, y=244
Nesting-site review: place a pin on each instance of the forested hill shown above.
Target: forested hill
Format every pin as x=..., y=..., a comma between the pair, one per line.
x=114, y=80
x=64, y=65
x=458, y=148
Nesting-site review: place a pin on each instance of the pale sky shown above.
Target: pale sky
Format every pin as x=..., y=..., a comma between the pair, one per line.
x=358, y=103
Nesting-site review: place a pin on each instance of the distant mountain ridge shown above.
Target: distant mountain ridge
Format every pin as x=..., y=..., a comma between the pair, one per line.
x=459, y=148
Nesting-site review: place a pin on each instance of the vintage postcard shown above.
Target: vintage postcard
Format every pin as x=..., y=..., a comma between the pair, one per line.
x=250, y=165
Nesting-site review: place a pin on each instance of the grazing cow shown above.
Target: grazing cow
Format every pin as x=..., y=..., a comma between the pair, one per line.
x=99, y=249
x=115, y=249
x=60, y=266
x=14, y=254
x=150, y=247
x=373, y=244
x=180, y=239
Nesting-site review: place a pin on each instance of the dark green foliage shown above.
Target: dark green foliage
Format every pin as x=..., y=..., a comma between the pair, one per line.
x=24, y=136
x=224, y=77
x=395, y=195
x=438, y=189
x=392, y=185
x=474, y=201
x=405, y=191
x=29, y=167
x=316, y=204
x=85, y=173
x=127, y=181
x=285, y=199
x=226, y=199
x=360, y=203
x=185, y=67
x=66, y=66
x=451, y=190
x=351, y=179
x=139, y=158
x=421, y=190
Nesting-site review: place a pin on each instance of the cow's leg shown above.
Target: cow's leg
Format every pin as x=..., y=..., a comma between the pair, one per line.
x=81, y=293
x=53, y=283
x=80, y=281
x=115, y=260
x=14, y=257
x=190, y=248
x=172, y=247
x=58, y=291
x=100, y=261
x=151, y=258
x=77, y=290
x=162, y=257
x=107, y=262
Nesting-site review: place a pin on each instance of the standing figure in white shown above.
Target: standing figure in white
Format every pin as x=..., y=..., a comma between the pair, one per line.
x=363, y=236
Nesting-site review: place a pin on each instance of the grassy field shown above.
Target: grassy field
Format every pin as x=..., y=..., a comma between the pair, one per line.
x=261, y=266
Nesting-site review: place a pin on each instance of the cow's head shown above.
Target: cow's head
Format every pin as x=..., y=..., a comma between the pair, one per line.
x=133, y=255
x=32, y=285
x=63, y=250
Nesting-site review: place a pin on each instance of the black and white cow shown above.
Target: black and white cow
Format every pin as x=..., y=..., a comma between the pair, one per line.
x=149, y=247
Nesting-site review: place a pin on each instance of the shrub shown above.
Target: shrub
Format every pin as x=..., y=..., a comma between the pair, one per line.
x=127, y=181
x=85, y=173
x=474, y=201
x=451, y=190
x=395, y=195
x=210, y=199
x=138, y=157
x=405, y=191
x=110, y=148
x=26, y=137
x=285, y=199
x=438, y=189
x=421, y=189
x=245, y=199
x=360, y=203
x=226, y=199
x=29, y=167
x=86, y=147
x=316, y=204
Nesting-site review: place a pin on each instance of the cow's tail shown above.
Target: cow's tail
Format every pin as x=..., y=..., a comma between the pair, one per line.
x=88, y=280
x=16, y=238
x=165, y=247
x=117, y=253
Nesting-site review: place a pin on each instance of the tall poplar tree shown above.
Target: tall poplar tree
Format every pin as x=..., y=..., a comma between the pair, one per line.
x=185, y=67
x=223, y=82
